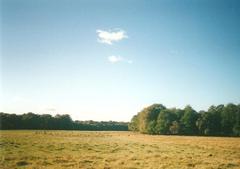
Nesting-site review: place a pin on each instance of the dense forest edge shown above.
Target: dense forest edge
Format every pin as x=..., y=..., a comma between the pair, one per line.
x=221, y=120
x=33, y=121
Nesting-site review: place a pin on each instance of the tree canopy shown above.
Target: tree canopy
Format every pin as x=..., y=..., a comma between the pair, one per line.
x=221, y=120
x=58, y=122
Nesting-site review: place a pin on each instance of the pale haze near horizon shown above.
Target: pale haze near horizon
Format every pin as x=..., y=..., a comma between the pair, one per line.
x=105, y=60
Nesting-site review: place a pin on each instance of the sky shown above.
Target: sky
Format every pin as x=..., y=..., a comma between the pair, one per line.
x=107, y=60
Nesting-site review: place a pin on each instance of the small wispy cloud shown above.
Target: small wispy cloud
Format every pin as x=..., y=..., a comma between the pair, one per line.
x=115, y=59
x=111, y=36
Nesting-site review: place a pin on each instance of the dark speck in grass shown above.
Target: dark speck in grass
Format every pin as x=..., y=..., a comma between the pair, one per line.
x=22, y=163
x=231, y=165
x=191, y=165
x=86, y=161
x=59, y=149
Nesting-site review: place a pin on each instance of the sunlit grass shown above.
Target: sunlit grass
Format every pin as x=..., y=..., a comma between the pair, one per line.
x=75, y=149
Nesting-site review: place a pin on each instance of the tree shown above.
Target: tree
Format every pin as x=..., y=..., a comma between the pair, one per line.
x=217, y=120
x=134, y=124
x=229, y=115
x=188, y=121
x=164, y=121
x=147, y=115
x=206, y=122
x=59, y=122
x=236, y=127
x=174, y=128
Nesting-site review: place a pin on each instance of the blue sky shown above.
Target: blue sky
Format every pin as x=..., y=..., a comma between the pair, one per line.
x=106, y=60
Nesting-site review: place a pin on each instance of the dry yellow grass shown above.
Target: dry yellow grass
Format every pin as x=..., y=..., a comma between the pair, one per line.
x=76, y=149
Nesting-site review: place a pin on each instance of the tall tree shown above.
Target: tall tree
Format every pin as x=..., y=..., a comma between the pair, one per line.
x=134, y=124
x=188, y=121
x=236, y=127
x=148, y=115
x=164, y=121
x=229, y=115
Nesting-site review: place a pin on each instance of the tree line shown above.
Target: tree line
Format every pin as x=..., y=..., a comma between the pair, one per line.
x=59, y=122
x=221, y=120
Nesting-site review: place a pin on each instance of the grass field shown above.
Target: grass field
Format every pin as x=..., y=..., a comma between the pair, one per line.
x=75, y=149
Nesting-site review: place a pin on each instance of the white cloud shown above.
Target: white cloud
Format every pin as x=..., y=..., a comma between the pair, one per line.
x=109, y=37
x=115, y=59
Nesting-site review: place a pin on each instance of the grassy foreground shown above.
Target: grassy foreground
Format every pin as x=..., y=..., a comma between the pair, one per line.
x=76, y=149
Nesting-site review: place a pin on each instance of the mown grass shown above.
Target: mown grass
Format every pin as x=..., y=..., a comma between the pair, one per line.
x=76, y=149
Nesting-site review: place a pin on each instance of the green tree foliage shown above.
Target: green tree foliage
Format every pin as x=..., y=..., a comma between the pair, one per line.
x=229, y=115
x=58, y=122
x=209, y=123
x=236, y=127
x=216, y=121
x=147, y=118
x=164, y=121
x=188, y=121
x=133, y=125
x=174, y=128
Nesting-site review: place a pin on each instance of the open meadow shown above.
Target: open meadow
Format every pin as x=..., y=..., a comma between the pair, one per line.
x=78, y=149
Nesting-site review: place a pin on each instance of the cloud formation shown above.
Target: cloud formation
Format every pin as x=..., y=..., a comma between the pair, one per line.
x=109, y=37
x=115, y=59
